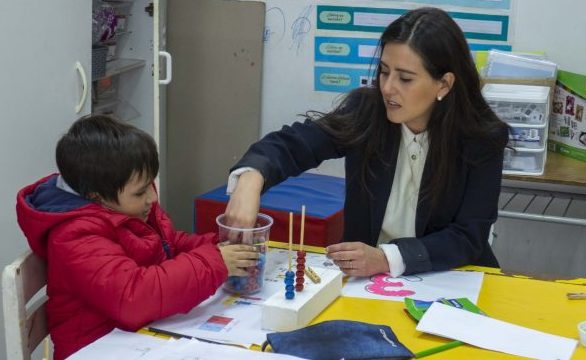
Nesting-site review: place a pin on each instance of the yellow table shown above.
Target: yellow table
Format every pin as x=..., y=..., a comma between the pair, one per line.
x=536, y=304
x=540, y=305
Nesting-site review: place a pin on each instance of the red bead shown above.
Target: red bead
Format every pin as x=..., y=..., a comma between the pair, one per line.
x=300, y=261
x=300, y=254
x=298, y=287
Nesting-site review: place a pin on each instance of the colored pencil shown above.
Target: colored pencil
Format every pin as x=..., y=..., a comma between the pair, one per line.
x=576, y=296
x=437, y=349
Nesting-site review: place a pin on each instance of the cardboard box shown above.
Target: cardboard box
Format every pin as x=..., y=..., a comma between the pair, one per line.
x=323, y=197
x=567, y=125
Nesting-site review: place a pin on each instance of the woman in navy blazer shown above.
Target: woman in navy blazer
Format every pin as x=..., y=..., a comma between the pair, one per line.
x=427, y=81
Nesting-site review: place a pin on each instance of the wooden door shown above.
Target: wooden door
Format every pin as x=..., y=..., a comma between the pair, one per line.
x=214, y=100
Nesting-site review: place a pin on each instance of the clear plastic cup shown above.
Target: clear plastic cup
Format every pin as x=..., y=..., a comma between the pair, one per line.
x=257, y=236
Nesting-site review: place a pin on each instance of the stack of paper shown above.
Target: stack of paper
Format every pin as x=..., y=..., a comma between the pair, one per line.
x=501, y=64
x=493, y=334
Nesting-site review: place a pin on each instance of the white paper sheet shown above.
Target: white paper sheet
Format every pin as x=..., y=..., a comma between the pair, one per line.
x=223, y=318
x=493, y=334
x=428, y=286
x=122, y=345
x=119, y=345
x=184, y=349
x=231, y=319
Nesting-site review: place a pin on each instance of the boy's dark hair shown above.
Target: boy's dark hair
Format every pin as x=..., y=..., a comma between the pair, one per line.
x=98, y=156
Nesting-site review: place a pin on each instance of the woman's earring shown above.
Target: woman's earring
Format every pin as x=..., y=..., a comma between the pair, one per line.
x=439, y=98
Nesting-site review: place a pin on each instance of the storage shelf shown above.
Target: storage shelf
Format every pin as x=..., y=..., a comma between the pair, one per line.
x=545, y=206
x=102, y=105
x=119, y=108
x=119, y=66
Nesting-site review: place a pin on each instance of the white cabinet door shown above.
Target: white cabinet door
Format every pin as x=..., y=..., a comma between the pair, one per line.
x=41, y=88
x=42, y=42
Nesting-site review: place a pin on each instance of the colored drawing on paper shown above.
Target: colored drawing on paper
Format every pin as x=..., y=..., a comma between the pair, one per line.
x=216, y=323
x=427, y=286
x=382, y=285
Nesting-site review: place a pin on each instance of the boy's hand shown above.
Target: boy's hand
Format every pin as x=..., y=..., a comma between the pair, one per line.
x=238, y=257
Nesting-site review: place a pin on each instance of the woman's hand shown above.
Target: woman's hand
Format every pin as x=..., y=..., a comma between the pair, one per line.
x=358, y=259
x=244, y=202
x=238, y=257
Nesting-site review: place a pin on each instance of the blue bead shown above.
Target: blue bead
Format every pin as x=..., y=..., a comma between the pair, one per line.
x=261, y=260
x=289, y=295
x=289, y=287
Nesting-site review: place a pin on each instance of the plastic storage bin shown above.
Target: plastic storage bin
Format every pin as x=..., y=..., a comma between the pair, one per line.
x=519, y=161
x=518, y=104
x=526, y=109
x=527, y=136
x=99, y=55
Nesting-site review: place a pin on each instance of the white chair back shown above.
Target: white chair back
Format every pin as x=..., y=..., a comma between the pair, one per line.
x=24, y=295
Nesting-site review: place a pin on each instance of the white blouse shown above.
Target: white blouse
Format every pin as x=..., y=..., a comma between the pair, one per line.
x=399, y=219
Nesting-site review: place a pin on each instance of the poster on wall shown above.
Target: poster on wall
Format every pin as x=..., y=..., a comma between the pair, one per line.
x=486, y=4
x=348, y=59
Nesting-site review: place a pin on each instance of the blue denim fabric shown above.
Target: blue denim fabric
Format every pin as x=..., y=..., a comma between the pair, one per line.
x=340, y=339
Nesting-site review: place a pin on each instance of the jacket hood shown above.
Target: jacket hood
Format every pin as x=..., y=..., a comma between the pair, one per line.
x=42, y=206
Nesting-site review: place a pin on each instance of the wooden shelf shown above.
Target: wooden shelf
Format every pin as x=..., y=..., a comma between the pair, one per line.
x=119, y=66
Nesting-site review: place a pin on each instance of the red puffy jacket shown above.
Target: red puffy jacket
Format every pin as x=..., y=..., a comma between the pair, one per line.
x=108, y=270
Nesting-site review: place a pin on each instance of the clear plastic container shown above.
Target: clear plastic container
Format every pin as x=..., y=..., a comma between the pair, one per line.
x=257, y=236
x=518, y=104
x=528, y=137
x=524, y=161
x=519, y=112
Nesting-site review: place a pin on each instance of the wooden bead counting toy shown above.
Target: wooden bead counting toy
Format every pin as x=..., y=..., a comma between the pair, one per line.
x=289, y=293
x=300, y=274
x=297, y=308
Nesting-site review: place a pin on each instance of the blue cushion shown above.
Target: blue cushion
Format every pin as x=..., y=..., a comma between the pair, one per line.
x=322, y=195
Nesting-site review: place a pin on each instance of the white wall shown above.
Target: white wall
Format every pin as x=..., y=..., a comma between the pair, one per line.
x=556, y=27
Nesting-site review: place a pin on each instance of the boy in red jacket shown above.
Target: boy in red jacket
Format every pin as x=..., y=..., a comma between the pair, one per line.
x=114, y=258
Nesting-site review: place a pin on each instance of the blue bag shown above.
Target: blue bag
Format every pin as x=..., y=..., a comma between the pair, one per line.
x=339, y=339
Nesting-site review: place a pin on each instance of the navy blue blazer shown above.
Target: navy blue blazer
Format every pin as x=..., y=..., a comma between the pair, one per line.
x=452, y=235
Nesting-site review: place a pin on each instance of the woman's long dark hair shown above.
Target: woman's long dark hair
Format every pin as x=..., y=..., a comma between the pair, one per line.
x=361, y=120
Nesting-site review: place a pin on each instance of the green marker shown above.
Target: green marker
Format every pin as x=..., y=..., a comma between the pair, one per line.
x=437, y=349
